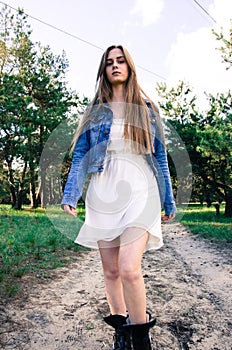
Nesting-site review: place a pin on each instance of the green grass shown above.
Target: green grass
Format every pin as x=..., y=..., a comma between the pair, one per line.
x=204, y=222
x=34, y=242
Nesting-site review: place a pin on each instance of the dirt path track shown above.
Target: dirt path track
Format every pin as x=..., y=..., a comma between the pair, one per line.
x=188, y=289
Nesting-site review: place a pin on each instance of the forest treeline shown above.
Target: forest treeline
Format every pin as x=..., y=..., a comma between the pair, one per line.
x=39, y=113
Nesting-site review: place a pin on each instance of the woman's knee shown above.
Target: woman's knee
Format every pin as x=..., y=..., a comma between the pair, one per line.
x=130, y=274
x=111, y=273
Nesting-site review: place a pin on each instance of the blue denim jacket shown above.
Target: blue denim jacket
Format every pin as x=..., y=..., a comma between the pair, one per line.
x=90, y=152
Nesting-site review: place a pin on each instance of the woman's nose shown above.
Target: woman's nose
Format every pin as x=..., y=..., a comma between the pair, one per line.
x=115, y=65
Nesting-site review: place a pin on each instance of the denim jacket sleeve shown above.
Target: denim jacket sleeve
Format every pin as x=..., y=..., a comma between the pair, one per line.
x=77, y=174
x=163, y=177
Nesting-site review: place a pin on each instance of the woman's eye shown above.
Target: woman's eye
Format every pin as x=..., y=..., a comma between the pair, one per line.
x=121, y=61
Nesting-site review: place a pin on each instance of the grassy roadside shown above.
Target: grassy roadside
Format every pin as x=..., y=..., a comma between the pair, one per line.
x=31, y=243
x=204, y=221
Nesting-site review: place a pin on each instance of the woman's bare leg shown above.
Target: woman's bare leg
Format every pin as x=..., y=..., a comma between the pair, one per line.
x=113, y=283
x=129, y=259
x=125, y=289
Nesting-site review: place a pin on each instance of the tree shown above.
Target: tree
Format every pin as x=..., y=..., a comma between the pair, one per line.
x=226, y=48
x=34, y=99
x=180, y=112
x=207, y=137
x=215, y=144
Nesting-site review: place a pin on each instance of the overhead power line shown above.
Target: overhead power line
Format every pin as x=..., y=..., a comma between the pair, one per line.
x=56, y=28
x=149, y=71
x=77, y=37
x=205, y=11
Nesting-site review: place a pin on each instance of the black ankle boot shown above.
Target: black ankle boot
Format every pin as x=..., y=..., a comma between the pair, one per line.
x=121, y=335
x=140, y=335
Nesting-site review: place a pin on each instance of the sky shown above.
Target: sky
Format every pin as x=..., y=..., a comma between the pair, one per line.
x=172, y=39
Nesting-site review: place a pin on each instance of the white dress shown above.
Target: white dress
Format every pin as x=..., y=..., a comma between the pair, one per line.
x=123, y=201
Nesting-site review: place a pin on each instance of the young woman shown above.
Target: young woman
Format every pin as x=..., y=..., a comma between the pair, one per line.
x=120, y=143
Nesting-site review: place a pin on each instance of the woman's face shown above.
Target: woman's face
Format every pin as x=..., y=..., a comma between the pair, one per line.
x=117, y=70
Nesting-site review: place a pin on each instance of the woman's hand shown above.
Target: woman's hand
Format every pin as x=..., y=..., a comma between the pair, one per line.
x=69, y=210
x=168, y=218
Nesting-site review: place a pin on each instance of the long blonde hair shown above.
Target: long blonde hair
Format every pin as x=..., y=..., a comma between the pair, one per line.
x=137, y=115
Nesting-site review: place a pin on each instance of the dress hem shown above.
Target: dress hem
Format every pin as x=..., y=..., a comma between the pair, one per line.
x=154, y=242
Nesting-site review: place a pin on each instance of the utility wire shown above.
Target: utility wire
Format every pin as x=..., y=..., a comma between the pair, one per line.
x=77, y=38
x=56, y=28
x=149, y=71
x=204, y=10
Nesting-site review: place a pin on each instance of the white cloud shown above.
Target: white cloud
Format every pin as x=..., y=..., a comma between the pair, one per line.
x=195, y=59
x=221, y=11
x=150, y=10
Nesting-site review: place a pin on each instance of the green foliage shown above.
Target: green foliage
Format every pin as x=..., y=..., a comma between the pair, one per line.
x=30, y=244
x=226, y=48
x=181, y=119
x=215, y=145
x=207, y=138
x=34, y=100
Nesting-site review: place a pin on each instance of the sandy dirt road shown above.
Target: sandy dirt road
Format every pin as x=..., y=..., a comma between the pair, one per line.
x=189, y=291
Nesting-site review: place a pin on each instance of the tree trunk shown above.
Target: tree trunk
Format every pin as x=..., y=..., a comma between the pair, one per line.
x=19, y=198
x=217, y=207
x=33, y=198
x=208, y=201
x=43, y=190
x=12, y=195
x=11, y=183
x=228, y=200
